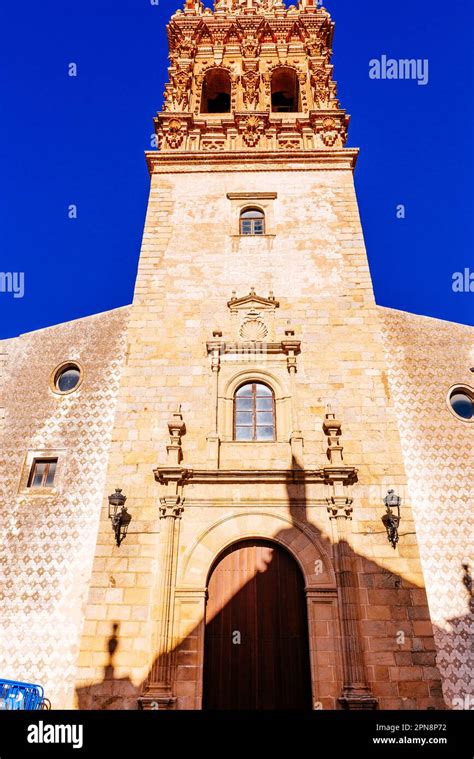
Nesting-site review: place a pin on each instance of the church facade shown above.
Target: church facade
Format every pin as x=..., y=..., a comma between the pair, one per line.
x=296, y=460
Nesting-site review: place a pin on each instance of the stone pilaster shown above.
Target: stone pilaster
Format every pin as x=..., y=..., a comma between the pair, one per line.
x=158, y=690
x=292, y=347
x=213, y=440
x=356, y=693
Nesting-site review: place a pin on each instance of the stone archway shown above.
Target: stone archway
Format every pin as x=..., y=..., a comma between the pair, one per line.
x=319, y=587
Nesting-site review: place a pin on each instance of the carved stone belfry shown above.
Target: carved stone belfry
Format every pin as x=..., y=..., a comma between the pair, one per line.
x=252, y=74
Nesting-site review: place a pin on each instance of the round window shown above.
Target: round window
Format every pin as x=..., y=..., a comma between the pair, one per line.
x=461, y=401
x=67, y=377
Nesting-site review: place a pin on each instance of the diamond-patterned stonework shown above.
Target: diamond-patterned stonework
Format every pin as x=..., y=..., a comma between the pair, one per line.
x=425, y=358
x=48, y=543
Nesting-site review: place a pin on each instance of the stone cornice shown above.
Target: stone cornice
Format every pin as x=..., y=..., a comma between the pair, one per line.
x=327, y=159
x=253, y=15
x=251, y=196
x=346, y=475
x=231, y=346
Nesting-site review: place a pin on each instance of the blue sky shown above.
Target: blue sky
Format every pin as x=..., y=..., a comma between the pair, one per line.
x=80, y=140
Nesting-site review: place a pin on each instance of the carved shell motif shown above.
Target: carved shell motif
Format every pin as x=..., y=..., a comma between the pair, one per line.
x=253, y=329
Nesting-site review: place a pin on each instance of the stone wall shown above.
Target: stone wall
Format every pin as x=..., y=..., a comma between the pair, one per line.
x=426, y=357
x=48, y=542
x=313, y=260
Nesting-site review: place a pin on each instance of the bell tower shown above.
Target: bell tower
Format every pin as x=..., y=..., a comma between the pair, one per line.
x=250, y=75
x=255, y=428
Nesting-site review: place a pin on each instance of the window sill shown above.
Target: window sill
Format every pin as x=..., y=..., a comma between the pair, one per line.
x=252, y=442
x=230, y=441
x=38, y=492
x=265, y=235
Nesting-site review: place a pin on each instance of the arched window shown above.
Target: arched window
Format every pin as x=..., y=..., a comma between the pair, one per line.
x=254, y=412
x=216, y=89
x=285, y=90
x=252, y=222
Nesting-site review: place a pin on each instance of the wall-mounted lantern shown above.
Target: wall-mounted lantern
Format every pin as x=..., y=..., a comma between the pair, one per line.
x=119, y=515
x=391, y=520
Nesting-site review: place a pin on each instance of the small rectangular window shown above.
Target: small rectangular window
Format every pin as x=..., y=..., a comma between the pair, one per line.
x=252, y=222
x=42, y=473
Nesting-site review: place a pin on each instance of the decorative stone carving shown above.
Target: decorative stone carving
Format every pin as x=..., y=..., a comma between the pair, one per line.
x=292, y=348
x=250, y=83
x=172, y=130
x=253, y=329
x=250, y=46
x=233, y=93
x=267, y=34
x=174, y=133
x=251, y=300
x=204, y=36
x=182, y=81
x=295, y=34
x=302, y=82
x=177, y=91
x=186, y=49
x=267, y=79
x=171, y=506
x=181, y=39
x=313, y=46
x=319, y=83
x=332, y=131
x=198, y=80
x=212, y=143
x=332, y=428
x=253, y=316
x=177, y=429
x=232, y=36
x=289, y=143
x=252, y=130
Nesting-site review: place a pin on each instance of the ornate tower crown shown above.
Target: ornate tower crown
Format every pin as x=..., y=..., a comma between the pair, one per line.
x=252, y=74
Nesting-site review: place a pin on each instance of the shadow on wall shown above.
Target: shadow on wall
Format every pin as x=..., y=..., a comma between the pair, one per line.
x=467, y=582
x=390, y=605
x=461, y=632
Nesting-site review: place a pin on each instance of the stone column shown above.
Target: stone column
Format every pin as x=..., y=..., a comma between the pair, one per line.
x=158, y=690
x=356, y=694
x=158, y=693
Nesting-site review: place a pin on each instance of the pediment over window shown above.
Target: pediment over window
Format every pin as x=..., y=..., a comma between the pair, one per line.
x=251, y=330
x=252, y=317
x=252, y=301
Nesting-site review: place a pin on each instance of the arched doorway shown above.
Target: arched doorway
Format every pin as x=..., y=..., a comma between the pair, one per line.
x=256, y=641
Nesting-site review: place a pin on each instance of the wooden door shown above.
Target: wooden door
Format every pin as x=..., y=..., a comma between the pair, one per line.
x=256, y=645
